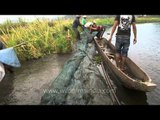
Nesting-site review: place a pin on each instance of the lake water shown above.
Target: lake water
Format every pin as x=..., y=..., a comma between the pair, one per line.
x=146, y=54
x=26, y=85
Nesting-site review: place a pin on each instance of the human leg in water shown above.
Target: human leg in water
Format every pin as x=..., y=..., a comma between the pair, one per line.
x=123, y=68
x=125, y=49
x=118, y=59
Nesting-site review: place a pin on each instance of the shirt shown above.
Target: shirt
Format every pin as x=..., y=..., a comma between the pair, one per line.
x=88, y=24
x=124, y=24
x=84, y=21
x=76, y=23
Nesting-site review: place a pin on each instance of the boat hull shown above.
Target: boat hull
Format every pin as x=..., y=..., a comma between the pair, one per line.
x=141, y=81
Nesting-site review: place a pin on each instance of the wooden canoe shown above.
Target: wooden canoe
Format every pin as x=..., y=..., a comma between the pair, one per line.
x=134, y=77
x=2, y=71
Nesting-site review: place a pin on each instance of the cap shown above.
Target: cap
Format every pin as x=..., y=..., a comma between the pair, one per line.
x=78, y=16
x=94, y=21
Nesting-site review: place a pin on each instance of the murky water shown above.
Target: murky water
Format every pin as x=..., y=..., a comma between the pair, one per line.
x=26, y=86
x=146, y=54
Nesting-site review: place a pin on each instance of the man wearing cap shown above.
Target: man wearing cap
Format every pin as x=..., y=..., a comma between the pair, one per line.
x=100, y=29
x=84, y=21
x=75, y=25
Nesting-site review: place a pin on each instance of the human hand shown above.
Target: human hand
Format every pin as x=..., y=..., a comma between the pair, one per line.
x=110, y=39
x=134, y=41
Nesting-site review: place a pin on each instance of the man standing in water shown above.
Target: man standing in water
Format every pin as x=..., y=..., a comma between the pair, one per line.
x=123, y=22
x=75, y=25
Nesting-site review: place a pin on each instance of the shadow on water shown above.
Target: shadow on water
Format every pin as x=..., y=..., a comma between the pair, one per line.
x=6, y=88
x=131, y=97
x=126, y=96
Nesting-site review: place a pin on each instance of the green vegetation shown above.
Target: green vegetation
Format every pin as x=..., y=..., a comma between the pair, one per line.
x=103, y=21
x=110, y=21
x=148, y=19
x=42, y=37
x=8, y=25
x=98, y=59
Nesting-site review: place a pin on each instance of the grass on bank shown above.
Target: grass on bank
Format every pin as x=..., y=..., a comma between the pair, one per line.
x=43, y=37
x=110, y=21
x=40, y=38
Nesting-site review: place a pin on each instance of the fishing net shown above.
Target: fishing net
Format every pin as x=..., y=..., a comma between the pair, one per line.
x=80, y=82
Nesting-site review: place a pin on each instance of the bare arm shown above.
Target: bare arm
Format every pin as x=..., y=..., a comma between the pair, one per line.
x=134, y=32
x=93, y=28
x=113, y=30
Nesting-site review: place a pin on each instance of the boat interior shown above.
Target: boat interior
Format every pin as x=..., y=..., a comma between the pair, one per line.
x=131, y=69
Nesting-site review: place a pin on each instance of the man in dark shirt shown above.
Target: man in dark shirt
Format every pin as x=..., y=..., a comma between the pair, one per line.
x=123, y=22
x=75, y=25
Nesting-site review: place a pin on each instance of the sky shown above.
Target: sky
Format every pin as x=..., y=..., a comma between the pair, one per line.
x=28, y=18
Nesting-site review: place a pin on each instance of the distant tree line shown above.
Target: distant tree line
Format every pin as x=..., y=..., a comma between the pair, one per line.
x=91, y=16
x=108, y=16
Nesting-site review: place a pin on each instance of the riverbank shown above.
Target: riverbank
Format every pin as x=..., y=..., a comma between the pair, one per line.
x=110, y=21
x=44, y=37
x=39, y=38
x=26, y=85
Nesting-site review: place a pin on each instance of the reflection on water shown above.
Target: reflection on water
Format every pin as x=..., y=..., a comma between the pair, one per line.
x=146, y=54
x=126, y=96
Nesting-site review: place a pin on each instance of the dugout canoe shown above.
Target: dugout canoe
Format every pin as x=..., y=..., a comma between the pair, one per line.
x=133, y=77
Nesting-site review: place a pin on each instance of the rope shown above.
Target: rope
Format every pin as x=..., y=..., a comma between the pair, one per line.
x=107, y=79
